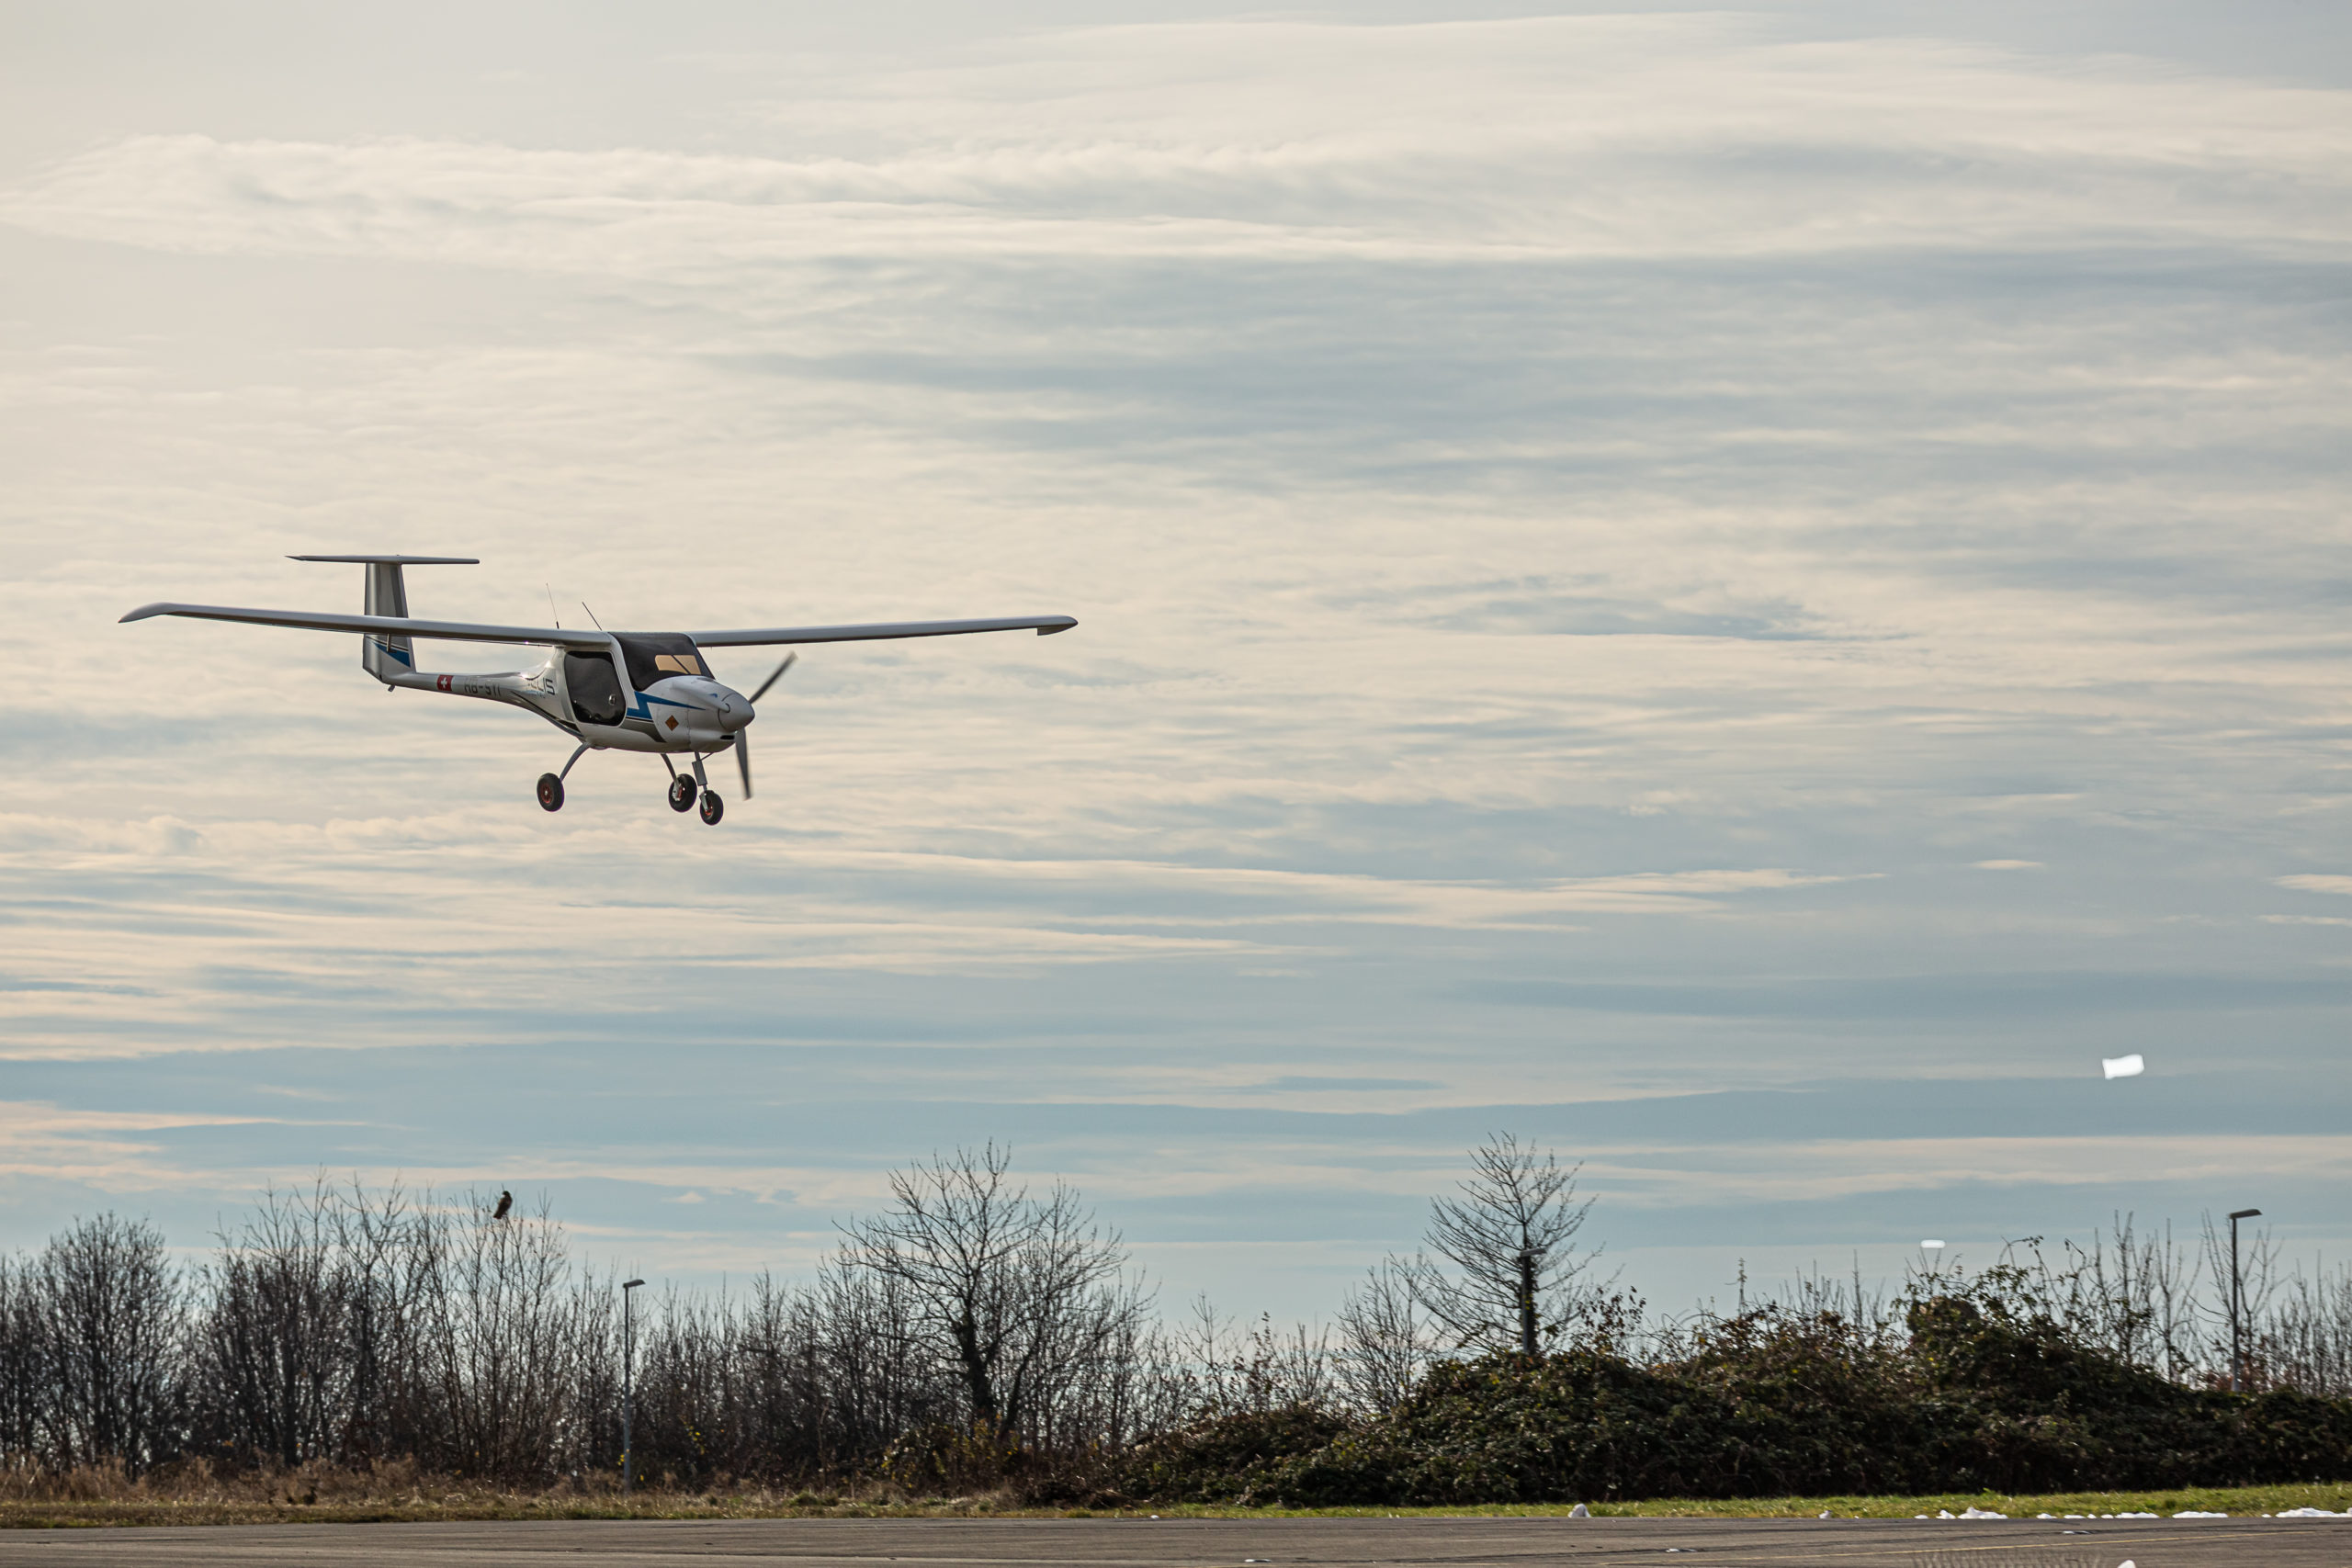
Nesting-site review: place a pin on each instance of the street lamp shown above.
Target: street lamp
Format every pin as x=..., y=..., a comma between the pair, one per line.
x=628, y=1388
x=2237, y=1303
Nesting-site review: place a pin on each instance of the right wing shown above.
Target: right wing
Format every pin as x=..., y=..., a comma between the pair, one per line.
x=390, y=626
x=875, y=631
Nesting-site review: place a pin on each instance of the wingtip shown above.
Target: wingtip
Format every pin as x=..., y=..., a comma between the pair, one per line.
x=143, y=611
x=1063, y=624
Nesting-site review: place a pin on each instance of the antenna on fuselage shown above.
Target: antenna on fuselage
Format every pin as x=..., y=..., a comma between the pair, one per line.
x=551, y=611
x=591, y=615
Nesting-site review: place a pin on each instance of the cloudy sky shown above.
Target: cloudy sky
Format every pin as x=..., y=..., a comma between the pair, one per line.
x=1745, y=594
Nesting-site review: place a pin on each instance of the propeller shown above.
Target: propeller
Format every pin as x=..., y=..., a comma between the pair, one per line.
x=743, y=737
x=789, y=661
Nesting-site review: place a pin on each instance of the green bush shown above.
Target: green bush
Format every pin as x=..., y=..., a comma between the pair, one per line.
x=1973, y=1395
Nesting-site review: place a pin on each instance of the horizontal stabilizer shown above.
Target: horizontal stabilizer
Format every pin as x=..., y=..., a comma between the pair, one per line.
x=394, y=560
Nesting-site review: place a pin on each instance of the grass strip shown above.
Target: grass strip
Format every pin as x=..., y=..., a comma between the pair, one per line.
x=459, y=1503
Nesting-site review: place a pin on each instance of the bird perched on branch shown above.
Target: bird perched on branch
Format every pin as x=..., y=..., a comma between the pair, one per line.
x=505, y=1201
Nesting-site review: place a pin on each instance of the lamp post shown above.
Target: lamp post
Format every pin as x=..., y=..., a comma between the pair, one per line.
x=2237, y=1305
x=629, y=1387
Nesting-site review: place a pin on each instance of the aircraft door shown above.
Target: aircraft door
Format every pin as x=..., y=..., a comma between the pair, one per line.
x=595, y=688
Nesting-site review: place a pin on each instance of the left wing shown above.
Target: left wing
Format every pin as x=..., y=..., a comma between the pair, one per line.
x=1045, y=625
x=466, y=631
x=392, y=626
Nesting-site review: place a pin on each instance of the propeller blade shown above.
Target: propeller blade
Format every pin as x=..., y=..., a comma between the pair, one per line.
x=743, y=760
x=789, y=661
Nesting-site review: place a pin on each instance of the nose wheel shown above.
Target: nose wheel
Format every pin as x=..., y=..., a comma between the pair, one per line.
x=551, y=793
x=682, y=793
x=713, y=808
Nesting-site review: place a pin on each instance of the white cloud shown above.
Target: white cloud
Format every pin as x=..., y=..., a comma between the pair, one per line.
x=2316, y=882
x=1563, y=137
x=1596, y=503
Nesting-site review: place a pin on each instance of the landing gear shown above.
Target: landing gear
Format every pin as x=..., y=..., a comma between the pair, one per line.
x=682, y=793
x=712, y=807
x=551, y=793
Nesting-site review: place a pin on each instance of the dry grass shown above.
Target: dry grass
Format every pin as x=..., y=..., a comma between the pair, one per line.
x=191, y=1494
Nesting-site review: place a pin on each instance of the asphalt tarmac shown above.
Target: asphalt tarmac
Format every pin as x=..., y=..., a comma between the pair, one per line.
x=1212, y=1543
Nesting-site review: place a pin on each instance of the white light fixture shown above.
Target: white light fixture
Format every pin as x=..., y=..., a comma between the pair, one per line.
x=2130, y=1067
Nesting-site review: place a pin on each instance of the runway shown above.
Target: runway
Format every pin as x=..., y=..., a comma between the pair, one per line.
x=1209, y=1543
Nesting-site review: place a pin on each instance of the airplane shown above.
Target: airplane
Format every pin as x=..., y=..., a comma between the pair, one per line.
x=609, y=691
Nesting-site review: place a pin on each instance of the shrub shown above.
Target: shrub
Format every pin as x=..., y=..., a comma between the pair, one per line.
x=1977, y=1394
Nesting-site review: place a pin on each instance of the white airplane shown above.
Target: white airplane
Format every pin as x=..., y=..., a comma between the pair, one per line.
x=610, y=691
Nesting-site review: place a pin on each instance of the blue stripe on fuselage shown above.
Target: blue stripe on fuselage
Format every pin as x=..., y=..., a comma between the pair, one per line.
x=641, y=711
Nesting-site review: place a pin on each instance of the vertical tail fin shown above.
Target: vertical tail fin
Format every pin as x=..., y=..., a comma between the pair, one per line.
x=384, y=656
x=387, y=594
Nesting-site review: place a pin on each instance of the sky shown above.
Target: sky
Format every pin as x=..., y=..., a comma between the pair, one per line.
x=1741, y=593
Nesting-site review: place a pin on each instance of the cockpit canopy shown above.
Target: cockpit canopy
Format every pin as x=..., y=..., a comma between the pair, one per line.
x=657, y=657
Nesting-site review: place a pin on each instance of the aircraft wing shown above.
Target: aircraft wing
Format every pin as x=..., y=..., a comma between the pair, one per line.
x=389, y=626
x=1045, y=625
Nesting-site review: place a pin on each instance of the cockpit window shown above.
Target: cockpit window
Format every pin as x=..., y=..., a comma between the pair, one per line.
x=597, y=696
x=652, y=658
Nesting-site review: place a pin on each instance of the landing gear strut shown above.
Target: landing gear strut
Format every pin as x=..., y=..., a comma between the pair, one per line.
x=552, y=785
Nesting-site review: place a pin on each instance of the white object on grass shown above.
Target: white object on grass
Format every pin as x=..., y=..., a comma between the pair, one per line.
x=1979, y=1514
x=2197, y=1514
x=1579, y=1512
x=2130, y=1067
x=2312, y=1514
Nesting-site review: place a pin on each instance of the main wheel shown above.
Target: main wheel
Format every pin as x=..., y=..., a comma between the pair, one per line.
x=712, y=807
x=551, y=793
x=681, y=794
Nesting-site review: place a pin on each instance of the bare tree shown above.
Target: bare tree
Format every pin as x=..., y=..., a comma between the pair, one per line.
x=2236, y=1326
x=24, y=1365
x=1021, y=1295
x=1384, y=1334
x=1511, y=1236
x=502, y=1337
x=1229, y=1369
x=110, y=1311
x=272, y=1339
x=2307, y=1344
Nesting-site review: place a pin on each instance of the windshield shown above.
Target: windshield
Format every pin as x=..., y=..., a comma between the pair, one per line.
x=652, y=658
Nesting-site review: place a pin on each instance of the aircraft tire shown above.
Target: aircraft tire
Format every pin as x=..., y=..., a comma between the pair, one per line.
x=551, y=793
x=681, y=794
x=713, y=808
